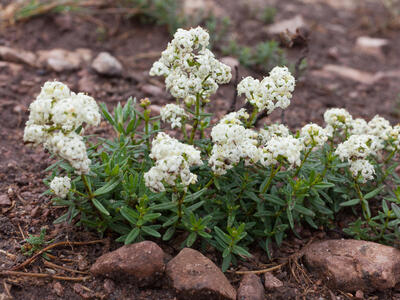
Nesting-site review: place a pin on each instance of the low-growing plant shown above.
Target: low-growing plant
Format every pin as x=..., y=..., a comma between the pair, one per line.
x=225, y=184
x=35, y=243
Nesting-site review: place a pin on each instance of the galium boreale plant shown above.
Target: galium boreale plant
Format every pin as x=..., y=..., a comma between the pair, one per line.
x=225, y=184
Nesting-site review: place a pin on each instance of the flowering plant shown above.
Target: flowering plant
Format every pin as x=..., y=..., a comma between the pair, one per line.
x=226, y=184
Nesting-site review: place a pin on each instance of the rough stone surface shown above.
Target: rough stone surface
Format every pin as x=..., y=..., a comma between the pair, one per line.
x=194, y=276
x=60, y=60
x=271, y=283
x=200, y=9
x=152, y=90
x=351, y=265
x=371, y=46
x=250, y=288
x=350, y=73
x=290, y=25
x=18, y=56
x=4, y=201
x=106, y=64
x=141, y=263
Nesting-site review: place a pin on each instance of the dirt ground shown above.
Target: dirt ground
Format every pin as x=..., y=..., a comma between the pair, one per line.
x=332, y=29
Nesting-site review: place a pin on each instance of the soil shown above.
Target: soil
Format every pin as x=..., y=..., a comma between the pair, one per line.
x=331, y=34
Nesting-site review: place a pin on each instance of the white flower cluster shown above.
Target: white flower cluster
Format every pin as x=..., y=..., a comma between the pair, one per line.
x=189, y=68
x=358, y=146
x=232, y=142
x=313, y=135
x=173, y=162
x=173, y=114
x=272, y=92
x=61, y=186
x=235, y=117
x=282, y=148
x=55, y=115
x=358, y=126
x=379, y=127
x=363, y=168
x=273, y=130
x=337, y=117
x=395, y=135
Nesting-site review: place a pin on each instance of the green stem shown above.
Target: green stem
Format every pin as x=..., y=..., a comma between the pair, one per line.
x=271, y=176
x=252, y=117
x=303, y=161
x=180, y=204
x=146, y=128
x=209, y=183
x=196, y=120
x=361, y=197
x=87, y=187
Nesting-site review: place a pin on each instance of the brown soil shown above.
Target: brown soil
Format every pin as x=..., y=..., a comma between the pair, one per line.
x=332, y=33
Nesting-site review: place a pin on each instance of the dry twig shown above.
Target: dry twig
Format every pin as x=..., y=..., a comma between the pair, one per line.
x=42, y=275
x=55, y=266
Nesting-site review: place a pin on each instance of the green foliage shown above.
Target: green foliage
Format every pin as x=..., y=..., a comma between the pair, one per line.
x=35, y=243
x=268, y=15
x=262, y=57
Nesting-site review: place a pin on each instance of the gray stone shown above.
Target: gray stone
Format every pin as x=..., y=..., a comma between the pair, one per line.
x=250, y=288
x=106, y=64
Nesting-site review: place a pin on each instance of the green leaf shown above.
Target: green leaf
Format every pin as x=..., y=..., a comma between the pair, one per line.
x=108, y=187
x=275, y=199
x=100, y=207
x=324, y=185
x=194, y=196
x=226, y=262
x=129, y=214
x=150, y=217
x=396, y=210
x=168, y=234
x=241, y=251
x=303, y=210
x=373, y=193
x=132, y=235
x=191, y=239
x=350, y=202
x=164, y=206
x=290, y=218
x=151, y=231
x=222, y=235
x=171, y=221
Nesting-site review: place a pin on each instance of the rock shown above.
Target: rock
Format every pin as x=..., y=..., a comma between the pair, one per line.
x=18, y=56
x=58, y=288
x=271, y=282
x=250, y=288
x=12, y=67
x=371, y=46
x=359, y=294
x=351, y=265
x=60, y=60
x=109, y=286
x=290, y=25
x=141, y=263
x=155, y=110
x=198, y=10
x=152, y=90
x=349, y=73
x=194, y=276
x=4, y=201
x=106, y=64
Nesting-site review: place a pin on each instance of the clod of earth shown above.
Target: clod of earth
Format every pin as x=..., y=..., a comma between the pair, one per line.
x=271, y=283
x=351, y=265
x=194, y=276
x=106, y=64
x=142, y=263
x=250, y=288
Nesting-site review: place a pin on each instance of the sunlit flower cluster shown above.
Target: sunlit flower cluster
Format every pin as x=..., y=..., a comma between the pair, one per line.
x=55, y=116
x=173, y=160
x=337, y=117
x=379, y=127
x=358, y=146
x=313, y=135
x=173, y=114
x=282, y=149
x=270, y=93
x=61, y=186
x=358, y=126
x=273, y=130
x=190, y=69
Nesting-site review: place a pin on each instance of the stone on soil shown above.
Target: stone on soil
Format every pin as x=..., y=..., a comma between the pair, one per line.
x=106, y=64
x=271, y=283
x=18, y=56
x=290, y=25
x=351, y=265
x=141, y=263
x=4, y=200
x=250, y=288
x=194, y=276
x=371, y=46
x=60, y=60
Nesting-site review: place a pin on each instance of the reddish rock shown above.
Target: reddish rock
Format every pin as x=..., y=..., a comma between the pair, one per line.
x=250, y=288
x=271, y=283
x=194, y=276
x=142, y=263
x=152, y=90
x=18, y=56
x=4, y=201
x=351, y=265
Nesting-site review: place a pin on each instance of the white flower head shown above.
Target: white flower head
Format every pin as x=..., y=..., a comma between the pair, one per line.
x=273, y=130
x=358, y=147
x=380, y=127
x=190, y=69
x=363, y=168
x=313, y=135
x=358, y=126
x=337, y=117
x=61, y=186
x=173, y=114
x=280, y=149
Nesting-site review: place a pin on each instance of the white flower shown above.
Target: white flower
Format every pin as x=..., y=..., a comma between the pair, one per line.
x=337, y=117
x=174, y=114
x=363, y=168
x=394, y=135
x=173, y=160
x=358, y=146
x=313, y=135
x=380, y=127
x=273, y=130
x=61, y=186
x=282, y=148
x=272, y=92
x=55, y=115
x=189, y=68
x=358, y=126
x=235, y=117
